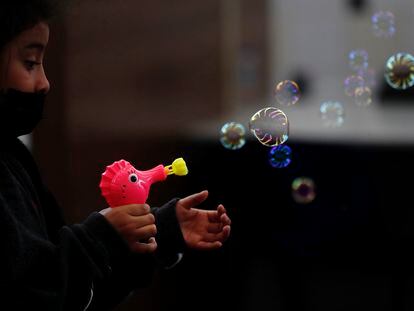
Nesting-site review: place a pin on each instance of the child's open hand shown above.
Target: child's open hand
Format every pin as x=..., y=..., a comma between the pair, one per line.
x=202, y=229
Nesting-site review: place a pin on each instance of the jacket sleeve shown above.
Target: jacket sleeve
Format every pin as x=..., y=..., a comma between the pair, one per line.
x=87, y=259
x=170, y=240
x=126, y=270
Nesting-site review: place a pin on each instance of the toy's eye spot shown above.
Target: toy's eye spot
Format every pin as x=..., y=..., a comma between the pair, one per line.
x=133, y=178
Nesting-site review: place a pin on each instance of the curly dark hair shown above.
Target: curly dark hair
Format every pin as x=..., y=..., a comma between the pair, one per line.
x=19, y=15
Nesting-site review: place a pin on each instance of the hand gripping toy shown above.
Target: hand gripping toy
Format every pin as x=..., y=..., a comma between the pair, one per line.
x=123, y=184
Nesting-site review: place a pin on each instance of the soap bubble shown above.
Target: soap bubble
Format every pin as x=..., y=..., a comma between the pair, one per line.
x=363, y=96
x=399, y=71
x=303, y=190
x=351, y=83
x=332, y=114
x=287, y=93
x=270, y=126
x=369, y=77
x=358, y=60
x=280, y=156
x=233, y=135
x=383, y=24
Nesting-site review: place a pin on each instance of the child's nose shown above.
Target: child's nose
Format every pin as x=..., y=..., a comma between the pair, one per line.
x=42, y=85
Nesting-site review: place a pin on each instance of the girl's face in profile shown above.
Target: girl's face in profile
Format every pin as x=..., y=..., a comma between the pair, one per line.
x=22, y=61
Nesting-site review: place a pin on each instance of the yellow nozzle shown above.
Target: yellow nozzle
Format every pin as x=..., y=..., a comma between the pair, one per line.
x=178, y=167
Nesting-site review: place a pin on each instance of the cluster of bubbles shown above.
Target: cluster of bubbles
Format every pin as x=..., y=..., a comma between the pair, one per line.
x=270, y=125
x=359, y=85
x=399, y=68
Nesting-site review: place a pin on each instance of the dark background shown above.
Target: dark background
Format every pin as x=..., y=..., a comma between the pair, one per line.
x=131, y=80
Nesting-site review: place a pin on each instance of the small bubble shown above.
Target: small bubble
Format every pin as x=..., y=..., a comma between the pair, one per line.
x=303, y=190
x=383, y=24
x=399, y=71
x=280, y=156
x=233, y=135
x=363, y=96
x=332, y=114
x=369, y=77
x=351, y=83
x=287, y=93
x=358, y=60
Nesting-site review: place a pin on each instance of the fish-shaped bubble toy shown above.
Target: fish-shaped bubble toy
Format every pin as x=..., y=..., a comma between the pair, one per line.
x=123, y=184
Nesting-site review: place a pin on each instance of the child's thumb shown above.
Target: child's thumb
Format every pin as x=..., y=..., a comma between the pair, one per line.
x=194, y=199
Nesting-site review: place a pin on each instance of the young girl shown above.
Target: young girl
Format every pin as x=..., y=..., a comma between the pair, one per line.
x=47, y=264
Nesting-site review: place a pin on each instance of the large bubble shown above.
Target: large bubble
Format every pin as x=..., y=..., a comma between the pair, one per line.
x=280, y=156
x=303, y=190
x=232, y=135
x=399, y=71
x=270, y=126
x=287, y=93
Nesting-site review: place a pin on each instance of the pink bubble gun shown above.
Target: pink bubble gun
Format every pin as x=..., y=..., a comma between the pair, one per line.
x=123, y=184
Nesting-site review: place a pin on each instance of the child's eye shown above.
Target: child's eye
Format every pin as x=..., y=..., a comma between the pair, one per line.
x=30, y=64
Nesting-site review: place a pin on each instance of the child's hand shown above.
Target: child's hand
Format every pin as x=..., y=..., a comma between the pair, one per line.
x=135, y=223
x=202, y=229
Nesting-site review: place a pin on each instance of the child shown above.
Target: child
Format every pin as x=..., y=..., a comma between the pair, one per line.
x=94, y=265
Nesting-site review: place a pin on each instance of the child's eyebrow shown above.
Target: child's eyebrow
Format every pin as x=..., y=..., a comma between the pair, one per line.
x=35, y=45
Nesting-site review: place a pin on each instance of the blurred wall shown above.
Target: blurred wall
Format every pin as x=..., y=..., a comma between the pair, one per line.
x=139, y=81
x=152, y=81
x=312, y=40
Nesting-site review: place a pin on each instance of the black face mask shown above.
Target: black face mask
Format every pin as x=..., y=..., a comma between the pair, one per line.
x=20, y=112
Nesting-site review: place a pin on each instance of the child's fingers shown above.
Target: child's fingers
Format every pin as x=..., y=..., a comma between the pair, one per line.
x=220, y=236
x=226, y=232
x=145, y=220
x=194, y=199
x=203, y=245
x=136, y=209
x=225, y=220
x=221, y=210
x=215, y=216
x=140, y=247
x=214, y=227
x=144, y=233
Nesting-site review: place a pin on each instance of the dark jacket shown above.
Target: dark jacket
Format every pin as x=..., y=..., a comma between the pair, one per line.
x=49, y=265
